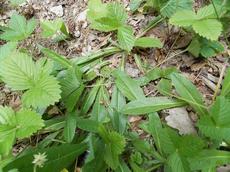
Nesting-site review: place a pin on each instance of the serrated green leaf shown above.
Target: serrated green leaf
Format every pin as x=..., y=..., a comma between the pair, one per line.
x=7, y=49
x=189, y=93
x=171, y=6
x=28, y=122
x=209, y=28
x=115, y=144
x=18, y=28
x=126, y=38
x=147, y=42
x=128, y=86
x=210, y=129
x=117, y=12
x=217, y=125
x=209, y=158
x=148, y=105
x=207, y=11
x=19, y=72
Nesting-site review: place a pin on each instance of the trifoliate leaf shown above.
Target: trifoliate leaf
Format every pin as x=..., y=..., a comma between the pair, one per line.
x=204, y=22
x=147, y=42
x=126, y=38
x=18, y=28
x=209, y=28
x=28, y=122
x=189, y=93
x=19, y=72
x=117, y=12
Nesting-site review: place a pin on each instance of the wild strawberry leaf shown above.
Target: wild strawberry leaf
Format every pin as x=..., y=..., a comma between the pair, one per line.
x=7, y=49
x=203, y=23
x=19, y=72
x=148, y=105
x=28, y=122
x=126, y=38
x=18, y=28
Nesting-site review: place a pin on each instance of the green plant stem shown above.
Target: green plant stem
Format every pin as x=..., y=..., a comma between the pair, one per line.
x=151, y=25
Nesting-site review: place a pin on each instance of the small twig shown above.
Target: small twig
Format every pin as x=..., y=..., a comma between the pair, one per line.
x=219, y=82
x=181, y=52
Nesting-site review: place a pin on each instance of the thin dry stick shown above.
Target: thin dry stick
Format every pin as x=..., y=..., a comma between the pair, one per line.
x=219, y=82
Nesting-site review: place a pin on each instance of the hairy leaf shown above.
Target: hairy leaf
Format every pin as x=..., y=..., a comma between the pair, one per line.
x=147, y=42
x=126, y=38
x=18, y=28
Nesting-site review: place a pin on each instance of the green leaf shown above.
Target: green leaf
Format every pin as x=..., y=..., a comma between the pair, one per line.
x=115, y=144
x=147, y=42
x=7, y=49
x=209, y=158
x=87, y=125
x=71, y=86
x=148, y=105
x=117, y=12
x=28, y=122
x=88, y=102
x=7, y=132
x=189, y=93
x=19, y=72
x=66, y=155
x=203, y=23
x=209, y=28
x=50, y=28
x=135, y=4
x=172, y=6
x=183, y=18
x=177, y=163
x=204, y=47
x=128, y=86
x=226, y=85
x=18, y=28
x=126, y=38
x=164, y=87
x=119, y=120
x=70, y=126
x=217, y=125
